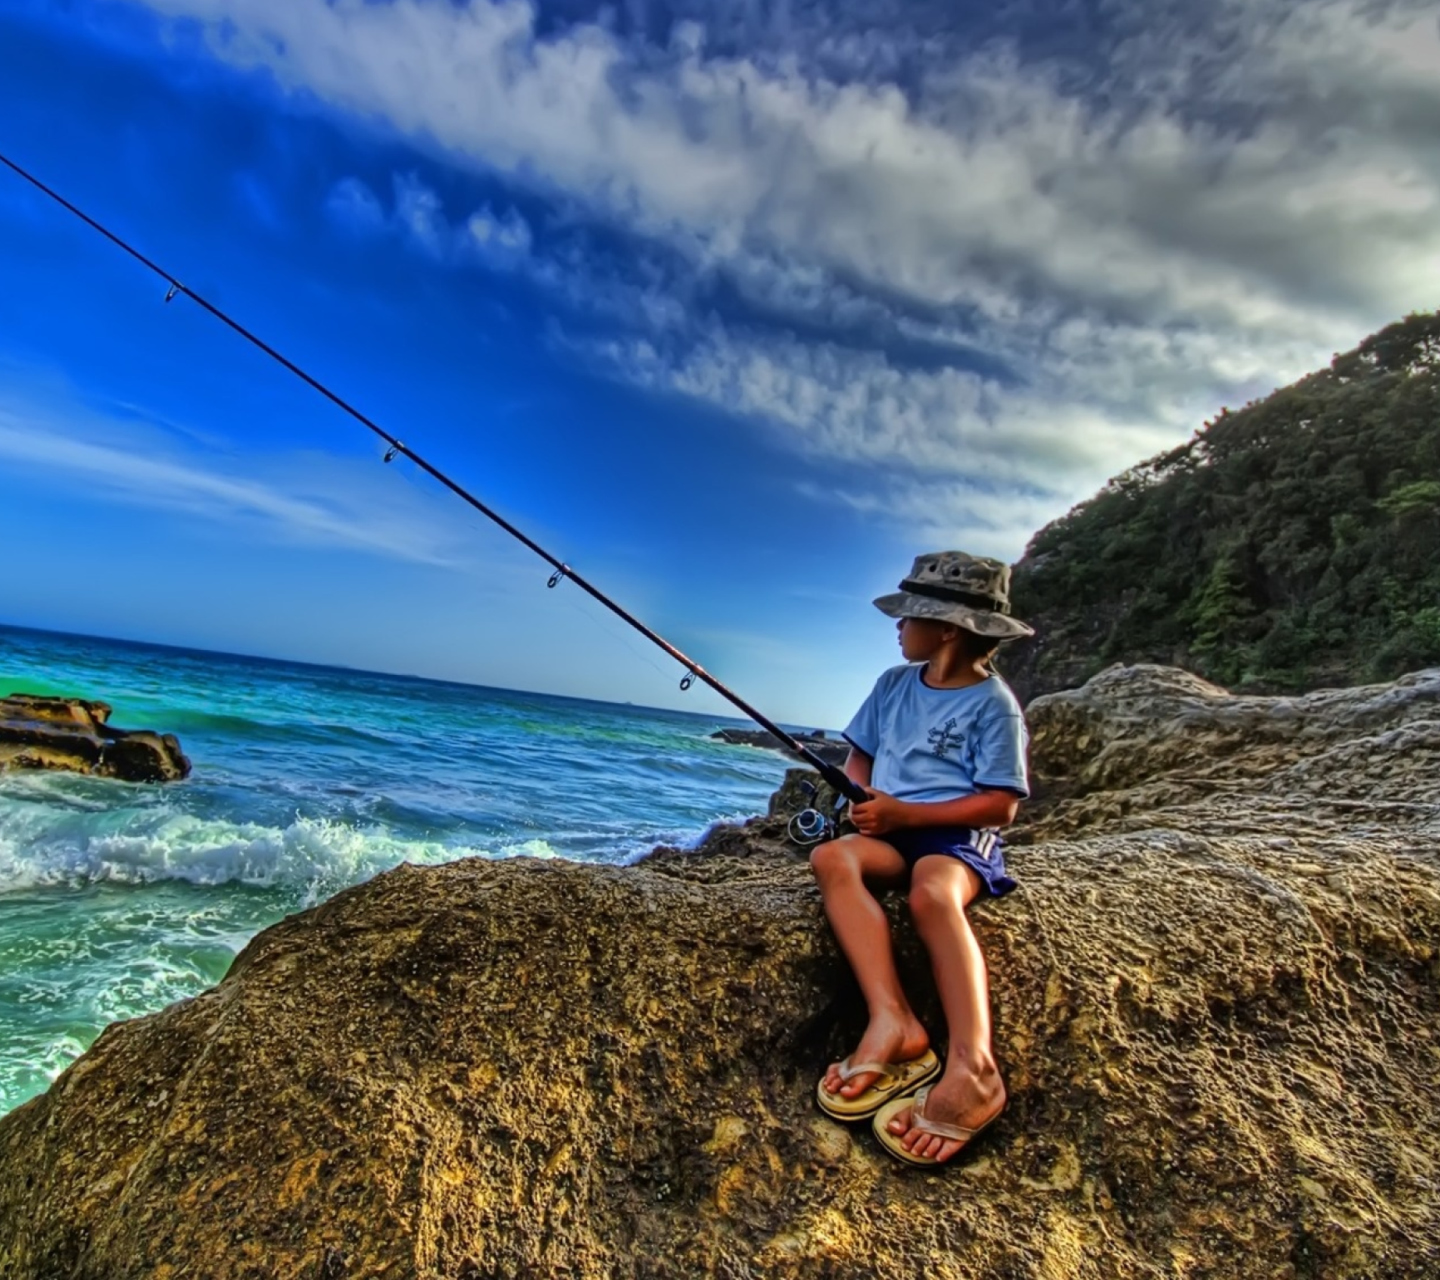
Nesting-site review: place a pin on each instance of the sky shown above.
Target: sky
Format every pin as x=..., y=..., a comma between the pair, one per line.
x=736, y=309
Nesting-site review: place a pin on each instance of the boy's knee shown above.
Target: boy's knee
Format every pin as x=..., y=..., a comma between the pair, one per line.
x=930, y=899
x=830, y=860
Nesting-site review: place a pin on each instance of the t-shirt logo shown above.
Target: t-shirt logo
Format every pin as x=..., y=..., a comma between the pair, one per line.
x=944, y=738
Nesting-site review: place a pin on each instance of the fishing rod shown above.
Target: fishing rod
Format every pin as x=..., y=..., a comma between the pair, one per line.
x=397, y=448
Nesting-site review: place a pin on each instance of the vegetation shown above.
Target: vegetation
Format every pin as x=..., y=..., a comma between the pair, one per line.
x=1290, y=545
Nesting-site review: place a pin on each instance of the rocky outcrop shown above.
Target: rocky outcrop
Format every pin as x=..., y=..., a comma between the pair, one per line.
x=76, y=736
x=1146, y=744
x=831, y=750
x=1216, y=1005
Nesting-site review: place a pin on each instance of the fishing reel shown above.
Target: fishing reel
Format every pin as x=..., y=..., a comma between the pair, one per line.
x=814, y=826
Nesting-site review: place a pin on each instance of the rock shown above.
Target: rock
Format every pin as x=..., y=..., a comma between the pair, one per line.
x=830, y=750
x=1145, y=740
x=74, y=735
x=1216, y=1006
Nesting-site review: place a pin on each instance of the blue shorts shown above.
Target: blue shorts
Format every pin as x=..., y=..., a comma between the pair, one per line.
x=979, y=850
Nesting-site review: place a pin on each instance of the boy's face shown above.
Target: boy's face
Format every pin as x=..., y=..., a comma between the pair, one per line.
x=921, y=638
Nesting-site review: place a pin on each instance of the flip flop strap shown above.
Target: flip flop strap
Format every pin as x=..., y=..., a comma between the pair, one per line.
x=884, y=1070
x=936, y=1127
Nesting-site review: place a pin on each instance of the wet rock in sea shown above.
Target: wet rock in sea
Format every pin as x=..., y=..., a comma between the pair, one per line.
x=831, y=750
x=75, y=736
x=1216, y=1006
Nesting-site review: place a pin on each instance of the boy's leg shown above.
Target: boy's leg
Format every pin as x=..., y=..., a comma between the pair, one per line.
x=842, y=868
x=970, y=1092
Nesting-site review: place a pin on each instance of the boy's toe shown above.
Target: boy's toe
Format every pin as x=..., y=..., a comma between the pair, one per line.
x=857, y=1085
x=837, y=1085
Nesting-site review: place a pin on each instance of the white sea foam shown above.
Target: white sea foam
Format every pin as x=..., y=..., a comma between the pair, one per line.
x=48, y=1058
x=42, y=846
x=304, y=784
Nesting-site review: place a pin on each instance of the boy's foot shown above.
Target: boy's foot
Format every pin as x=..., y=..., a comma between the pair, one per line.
x=959, y=1097
x=886, y=1039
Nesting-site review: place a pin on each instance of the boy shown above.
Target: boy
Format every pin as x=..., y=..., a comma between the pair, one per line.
x=940, y=746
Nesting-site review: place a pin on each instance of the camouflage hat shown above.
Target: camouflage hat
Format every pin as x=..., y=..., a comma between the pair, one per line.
x=971, y=591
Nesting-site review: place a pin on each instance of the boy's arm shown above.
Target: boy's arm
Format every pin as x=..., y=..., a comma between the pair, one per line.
x=858, y=766
x=993, y=807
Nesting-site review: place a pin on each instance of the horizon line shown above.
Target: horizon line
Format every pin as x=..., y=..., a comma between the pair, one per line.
x=365, y=671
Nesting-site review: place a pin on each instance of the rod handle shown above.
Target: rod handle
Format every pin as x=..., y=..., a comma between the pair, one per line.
x=843, y=783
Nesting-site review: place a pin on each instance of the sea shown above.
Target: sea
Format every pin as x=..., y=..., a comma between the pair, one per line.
x=118, y=898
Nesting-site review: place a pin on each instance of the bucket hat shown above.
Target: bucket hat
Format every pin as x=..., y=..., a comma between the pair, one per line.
x=950, y=586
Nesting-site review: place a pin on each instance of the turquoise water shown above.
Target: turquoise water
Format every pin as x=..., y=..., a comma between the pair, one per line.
x=116, y=899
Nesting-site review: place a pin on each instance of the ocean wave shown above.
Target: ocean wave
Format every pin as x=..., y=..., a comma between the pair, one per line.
x=240, y=728
x=314, y=855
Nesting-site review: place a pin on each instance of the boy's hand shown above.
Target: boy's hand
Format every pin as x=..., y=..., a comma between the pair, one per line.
x=879, y=814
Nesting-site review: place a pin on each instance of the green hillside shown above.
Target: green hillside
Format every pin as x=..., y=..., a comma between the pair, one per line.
x=1290, y=545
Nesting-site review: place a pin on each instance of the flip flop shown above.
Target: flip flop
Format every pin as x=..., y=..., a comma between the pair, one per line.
x=894, y=1079
x=894, y=1142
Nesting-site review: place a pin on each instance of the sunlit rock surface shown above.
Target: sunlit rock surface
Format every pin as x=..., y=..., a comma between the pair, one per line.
x=1216, y=1001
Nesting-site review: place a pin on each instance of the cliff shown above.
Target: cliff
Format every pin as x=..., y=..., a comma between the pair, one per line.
x=1216, y=1001
x=1290, y=545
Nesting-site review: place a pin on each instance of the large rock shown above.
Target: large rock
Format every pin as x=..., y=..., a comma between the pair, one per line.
x=76, y=736
x=1216, y=1002
x=1142, y=742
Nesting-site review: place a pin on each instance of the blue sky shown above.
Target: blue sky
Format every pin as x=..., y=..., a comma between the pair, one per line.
x=734, y=311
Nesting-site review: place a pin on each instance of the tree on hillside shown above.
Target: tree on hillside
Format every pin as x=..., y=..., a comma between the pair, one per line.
x=1290, y=544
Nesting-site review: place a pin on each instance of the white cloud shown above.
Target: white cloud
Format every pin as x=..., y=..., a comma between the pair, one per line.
x=1220, y=199
x=941, y=513
x=500, y=240
x=420, y=217
x=354, y=206
x=305, y=499
x=991, y=171
x=936, y=446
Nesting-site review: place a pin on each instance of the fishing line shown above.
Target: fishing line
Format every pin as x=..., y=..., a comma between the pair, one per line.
x=594, y=619
x=397, y=448
x=598, y=622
